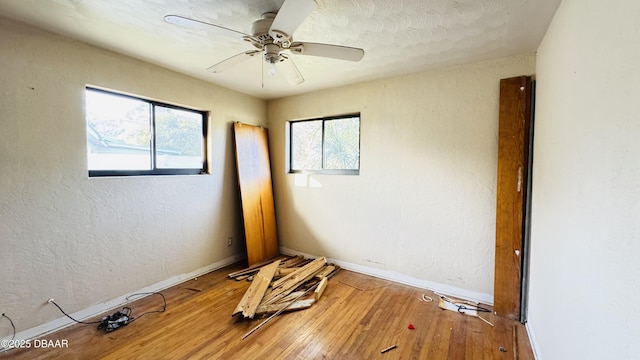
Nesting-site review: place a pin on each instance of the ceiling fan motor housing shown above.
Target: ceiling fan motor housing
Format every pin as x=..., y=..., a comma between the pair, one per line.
x=260, y=28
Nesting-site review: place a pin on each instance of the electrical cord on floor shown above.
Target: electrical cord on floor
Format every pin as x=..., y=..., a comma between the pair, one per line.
x=164, y=304
x=462, y=308
x=70, y=317
x=462, y=305
x=12, y=325
x=125, y=310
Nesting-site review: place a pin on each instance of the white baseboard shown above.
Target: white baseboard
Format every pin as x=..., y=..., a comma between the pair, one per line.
x=106, y=306
x=404, y=279
x=533, y=341
x=97, y=309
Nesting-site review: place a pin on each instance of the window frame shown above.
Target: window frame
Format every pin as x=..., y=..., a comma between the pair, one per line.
x=153, y=156
x=289, y=147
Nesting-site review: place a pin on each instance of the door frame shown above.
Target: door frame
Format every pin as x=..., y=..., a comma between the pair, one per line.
x=515, y=150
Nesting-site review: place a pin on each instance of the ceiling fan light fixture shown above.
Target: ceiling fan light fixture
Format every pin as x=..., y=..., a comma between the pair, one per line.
x=272, y=36
x=272, y=70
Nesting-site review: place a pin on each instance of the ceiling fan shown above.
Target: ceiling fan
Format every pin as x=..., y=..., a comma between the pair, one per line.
x=272, y=36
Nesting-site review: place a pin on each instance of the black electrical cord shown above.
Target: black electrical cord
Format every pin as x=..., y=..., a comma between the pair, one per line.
x=70, y=317
x=126, y=310
x=12, y=325
x=462, y=308
x=164, y=304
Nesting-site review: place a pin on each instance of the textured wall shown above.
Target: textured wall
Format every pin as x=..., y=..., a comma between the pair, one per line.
x=424, y=202
x=85, y=241
x=586, y=195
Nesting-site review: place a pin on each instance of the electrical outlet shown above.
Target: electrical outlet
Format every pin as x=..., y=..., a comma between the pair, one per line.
x=229, y=241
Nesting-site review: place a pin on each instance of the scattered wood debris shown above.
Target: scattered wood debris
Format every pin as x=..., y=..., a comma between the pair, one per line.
x=251, y=299
x=284, y=283
x=320, y=289
x=387, y=349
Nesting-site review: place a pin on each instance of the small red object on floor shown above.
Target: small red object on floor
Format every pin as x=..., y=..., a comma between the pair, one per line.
x=411, y=327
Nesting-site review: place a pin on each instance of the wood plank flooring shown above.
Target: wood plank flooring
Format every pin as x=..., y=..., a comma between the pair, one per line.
x=356, y=318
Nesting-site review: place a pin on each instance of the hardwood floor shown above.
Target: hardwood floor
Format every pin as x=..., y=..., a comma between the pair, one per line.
x=356, y=318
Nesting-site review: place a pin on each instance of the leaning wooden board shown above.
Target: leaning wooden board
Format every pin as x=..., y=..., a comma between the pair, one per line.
x=256, y=191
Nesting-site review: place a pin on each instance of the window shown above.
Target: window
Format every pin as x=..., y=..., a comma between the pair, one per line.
x=325, y=146
x=132, y=136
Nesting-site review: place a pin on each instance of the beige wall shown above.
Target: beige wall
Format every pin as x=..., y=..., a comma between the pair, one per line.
x=86, y=241
x=585, y=267
x=422, y=210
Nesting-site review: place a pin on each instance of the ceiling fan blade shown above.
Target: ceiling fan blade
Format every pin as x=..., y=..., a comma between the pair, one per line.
x=328, y=51
x=289, y=17
x=201, y=25
x=232, y=61
x=290, y=71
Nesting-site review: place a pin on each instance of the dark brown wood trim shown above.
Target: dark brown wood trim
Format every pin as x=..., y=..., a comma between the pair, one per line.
x=513, y=154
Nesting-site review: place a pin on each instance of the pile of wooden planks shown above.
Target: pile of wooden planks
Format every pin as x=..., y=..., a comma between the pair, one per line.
x=282, y=284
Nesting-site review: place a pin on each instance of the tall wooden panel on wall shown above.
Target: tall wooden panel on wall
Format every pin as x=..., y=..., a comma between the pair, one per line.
x=256, y=191
x=513, y=154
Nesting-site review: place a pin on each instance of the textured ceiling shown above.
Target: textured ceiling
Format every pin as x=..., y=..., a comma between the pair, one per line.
x=398, y=36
